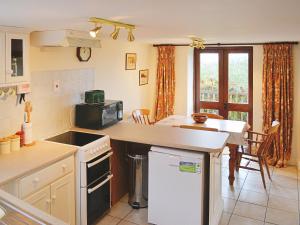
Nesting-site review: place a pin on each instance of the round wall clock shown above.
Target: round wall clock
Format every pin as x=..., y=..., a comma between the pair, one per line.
x=83, y=54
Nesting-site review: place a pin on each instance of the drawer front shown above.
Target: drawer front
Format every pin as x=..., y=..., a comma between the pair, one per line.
x=41, y=178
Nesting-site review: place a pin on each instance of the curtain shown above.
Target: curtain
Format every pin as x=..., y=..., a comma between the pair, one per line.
x=165, y=82
x=278, y=99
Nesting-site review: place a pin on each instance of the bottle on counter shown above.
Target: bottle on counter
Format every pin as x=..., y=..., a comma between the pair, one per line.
x=21, y=135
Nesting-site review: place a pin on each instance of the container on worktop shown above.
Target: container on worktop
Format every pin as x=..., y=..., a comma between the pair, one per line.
x=4, y=146
x=14, y=143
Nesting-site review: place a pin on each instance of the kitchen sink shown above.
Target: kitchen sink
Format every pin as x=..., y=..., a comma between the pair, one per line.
x=2, y=213
x=10, y=215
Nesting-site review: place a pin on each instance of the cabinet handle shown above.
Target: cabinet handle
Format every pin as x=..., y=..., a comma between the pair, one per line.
x=48, y=201
x=53, y=198
x=36, y=180
x=64, y=167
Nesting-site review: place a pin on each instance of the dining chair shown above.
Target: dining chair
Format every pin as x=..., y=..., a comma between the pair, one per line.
x=198, y=128
x=141, y=116
x=213, y=116
x=257, y=145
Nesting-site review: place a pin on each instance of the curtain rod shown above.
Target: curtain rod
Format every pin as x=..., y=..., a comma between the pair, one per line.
x=233, y=44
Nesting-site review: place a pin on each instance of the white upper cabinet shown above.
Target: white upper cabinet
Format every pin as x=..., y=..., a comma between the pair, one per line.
x=17, y=46
x=2, y=57
x=14, y=57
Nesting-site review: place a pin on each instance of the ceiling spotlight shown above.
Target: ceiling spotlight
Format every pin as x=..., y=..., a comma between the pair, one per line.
x=115, y=34
x=130, y=36
x=95, y=31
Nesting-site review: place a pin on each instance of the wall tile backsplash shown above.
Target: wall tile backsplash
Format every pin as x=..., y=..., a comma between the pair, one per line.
x=53, y=111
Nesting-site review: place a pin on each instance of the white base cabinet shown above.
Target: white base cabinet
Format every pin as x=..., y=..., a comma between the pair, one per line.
x=40, y=200
x=63, y=200
x=216, y=204
x=51, y=189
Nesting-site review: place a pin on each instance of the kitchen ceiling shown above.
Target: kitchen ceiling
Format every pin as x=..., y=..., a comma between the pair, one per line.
x=165, y=21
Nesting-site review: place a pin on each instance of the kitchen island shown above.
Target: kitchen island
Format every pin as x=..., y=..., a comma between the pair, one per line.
x=138, y=139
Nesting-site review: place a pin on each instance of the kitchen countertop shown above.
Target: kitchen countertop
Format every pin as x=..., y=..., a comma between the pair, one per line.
x=194, y=140
x=28, y=159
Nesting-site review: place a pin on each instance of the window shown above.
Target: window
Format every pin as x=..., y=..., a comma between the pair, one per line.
x=224, y=81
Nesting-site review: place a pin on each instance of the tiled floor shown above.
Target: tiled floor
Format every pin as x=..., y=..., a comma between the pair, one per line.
x=246, y=203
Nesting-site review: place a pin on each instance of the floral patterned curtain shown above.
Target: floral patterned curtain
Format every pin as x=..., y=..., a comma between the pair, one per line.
x=278, y=98
x=165, y=82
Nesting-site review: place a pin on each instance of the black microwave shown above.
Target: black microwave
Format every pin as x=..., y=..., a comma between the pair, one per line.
x=99, y=115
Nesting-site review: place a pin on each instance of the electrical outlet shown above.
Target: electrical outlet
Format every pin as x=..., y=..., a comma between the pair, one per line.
x=56, y=86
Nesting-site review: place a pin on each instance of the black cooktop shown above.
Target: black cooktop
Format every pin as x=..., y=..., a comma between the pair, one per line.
x=75, y=138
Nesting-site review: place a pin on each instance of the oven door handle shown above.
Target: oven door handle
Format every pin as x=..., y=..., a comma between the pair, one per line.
x=91, y=190
x=89, y=165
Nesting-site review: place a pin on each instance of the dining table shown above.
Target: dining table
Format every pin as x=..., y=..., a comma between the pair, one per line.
x=236, y=130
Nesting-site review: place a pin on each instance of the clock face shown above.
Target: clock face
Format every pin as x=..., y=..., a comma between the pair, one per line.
x=84, y=54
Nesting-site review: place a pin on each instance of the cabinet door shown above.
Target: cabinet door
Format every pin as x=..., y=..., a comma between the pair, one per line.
x=17, y=58
x=2, y=57
x=40, y=199
x=215, y=189
x=63, y=199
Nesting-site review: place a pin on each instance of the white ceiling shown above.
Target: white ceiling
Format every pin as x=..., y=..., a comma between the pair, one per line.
x=165, y=21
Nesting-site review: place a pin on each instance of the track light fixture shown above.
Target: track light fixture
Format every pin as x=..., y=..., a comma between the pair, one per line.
x=95, y=31
x=197, y=43
x=130, y=36
x=118, y=25
x=115, y=34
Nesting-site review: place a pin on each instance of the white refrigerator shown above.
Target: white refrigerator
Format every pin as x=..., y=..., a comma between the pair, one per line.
x=176, y=185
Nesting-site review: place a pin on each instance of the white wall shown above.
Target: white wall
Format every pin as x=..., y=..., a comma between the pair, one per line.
x=109, y=65
x=108, y=69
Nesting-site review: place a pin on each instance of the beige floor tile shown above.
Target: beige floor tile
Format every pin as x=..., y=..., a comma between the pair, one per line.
x=250, y=211
x=280, y=217
x=253, y=197
x=239, y=220
x=229, y=205
x=290, y=193
x=230, y=191
x=109, y=220
x=290, y=171
x=285, y=181
x=120, y=210
x=257, y=187
x=225, y=218
x=138, y=216
x=269, y=224
x=284, y=204
x=124, y=222
x=124, y=199
x=256, y=177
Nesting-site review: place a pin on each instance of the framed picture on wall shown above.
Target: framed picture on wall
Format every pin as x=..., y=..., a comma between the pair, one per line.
x=143, y=77
x=130, y=63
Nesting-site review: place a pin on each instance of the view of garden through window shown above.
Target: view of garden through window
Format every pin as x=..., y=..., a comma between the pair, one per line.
x=237, y=81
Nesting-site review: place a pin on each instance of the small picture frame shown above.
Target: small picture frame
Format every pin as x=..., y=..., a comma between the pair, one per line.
x=130, y=62
x=143, y=77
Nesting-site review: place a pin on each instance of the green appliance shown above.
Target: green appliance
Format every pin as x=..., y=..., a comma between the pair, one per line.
x=94, y=96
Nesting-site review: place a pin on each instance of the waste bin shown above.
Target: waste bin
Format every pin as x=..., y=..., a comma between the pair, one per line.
x=138, y=181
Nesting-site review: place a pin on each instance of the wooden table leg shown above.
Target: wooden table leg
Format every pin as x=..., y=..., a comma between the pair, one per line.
x=232, y=161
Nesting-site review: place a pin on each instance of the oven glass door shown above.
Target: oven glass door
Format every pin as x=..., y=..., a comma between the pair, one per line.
x=109, y=114
x=98, y=199
x=97, y=168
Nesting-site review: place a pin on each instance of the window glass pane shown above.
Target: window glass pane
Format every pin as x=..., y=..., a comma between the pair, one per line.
x=215, y=111
x=240, y=116
x=209, y=77
x=238, y=78
x=17, y=57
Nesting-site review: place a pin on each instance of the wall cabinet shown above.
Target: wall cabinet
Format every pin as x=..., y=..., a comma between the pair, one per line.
x=14, y=58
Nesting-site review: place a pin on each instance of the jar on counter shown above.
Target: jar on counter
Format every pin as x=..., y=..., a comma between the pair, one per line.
x=4, y=146
x=14, y=143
